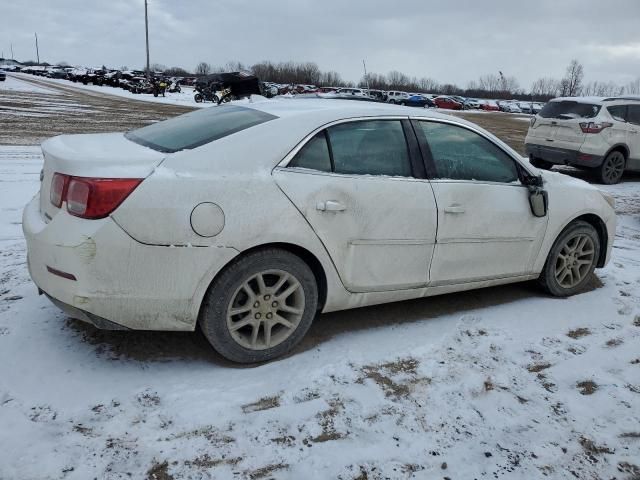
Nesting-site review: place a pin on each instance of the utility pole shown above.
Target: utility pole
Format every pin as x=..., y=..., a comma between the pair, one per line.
x=146, y=30
x=12, y=52
x=37, y=51
x=366, y=77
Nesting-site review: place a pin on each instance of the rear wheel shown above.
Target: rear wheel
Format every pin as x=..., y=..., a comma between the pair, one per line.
x=539, y=163
x=198, y=98
x=260, y=307
x=612, y=168
x=571, y=261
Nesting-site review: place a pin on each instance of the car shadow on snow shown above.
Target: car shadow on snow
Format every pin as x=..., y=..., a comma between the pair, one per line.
x=145, y=346
x=588, y=175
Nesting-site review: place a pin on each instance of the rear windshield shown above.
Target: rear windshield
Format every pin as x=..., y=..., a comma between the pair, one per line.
x=568, y=109
x=197, y=128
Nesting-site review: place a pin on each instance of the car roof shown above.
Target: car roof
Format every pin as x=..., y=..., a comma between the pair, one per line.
x=594, y=99
x=327, y=110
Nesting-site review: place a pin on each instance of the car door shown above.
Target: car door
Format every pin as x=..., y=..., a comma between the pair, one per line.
x=485, y=226
x=359, y=186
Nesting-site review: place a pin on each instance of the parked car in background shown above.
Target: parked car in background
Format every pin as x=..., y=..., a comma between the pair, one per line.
x=512, y=107
x=417, y=100
x=526, y=107
x=394, y=96
x=471, y=104
x=351, y=92
x=489, y=105
x=448, y=103
x=379, y=95
x=599, y=134
x=3, y=75
x=360, y=230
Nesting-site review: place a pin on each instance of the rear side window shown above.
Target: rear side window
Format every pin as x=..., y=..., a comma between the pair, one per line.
x=460, y=154
x=314, y=155
x=372, y=147
x=618, y=112
x=633, y=114
x=197, y=128
x=376, y=147
x=568, y=109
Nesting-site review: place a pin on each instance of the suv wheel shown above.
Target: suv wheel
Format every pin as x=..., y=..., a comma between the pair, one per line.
x=571, y=261
x=612, y=168
x=542, y=164
x=260, y=307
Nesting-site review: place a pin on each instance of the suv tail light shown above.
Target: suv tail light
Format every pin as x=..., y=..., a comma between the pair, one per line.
x=91, y=198
x=592, y=127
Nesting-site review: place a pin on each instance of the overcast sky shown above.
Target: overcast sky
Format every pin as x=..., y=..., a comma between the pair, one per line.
x=449, y=40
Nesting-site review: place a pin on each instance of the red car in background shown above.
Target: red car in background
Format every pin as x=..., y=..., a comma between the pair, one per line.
x=489, y=106
x=447, y=102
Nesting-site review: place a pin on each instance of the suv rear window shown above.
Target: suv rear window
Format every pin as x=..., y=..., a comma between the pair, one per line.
x=568, y=109
x=197, y=128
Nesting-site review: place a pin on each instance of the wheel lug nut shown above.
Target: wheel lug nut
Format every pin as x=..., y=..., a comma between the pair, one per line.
x=267, y=297
x=269, y=315
x=258, y=316
x=274, y=304
x=256, y=305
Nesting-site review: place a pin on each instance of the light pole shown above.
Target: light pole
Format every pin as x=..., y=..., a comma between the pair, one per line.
x=37, y=51
x=146, y=31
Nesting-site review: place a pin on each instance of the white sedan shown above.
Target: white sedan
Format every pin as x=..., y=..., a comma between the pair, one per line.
x=250, y=220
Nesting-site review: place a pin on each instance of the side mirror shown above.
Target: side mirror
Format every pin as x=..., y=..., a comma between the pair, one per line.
x=539, y=201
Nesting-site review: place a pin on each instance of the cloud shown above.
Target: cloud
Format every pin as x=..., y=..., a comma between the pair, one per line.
x=450, y=40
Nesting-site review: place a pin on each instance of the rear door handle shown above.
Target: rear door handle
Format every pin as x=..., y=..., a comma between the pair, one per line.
x=330, y=206
x=454, y=209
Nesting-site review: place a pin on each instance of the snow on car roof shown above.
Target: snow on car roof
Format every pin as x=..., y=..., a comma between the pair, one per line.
x=335, y=109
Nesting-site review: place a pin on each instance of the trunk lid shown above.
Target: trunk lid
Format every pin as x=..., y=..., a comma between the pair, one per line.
x=100, y=155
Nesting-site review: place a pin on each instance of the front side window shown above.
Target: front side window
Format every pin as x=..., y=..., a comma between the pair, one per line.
x=460, y=154
x=372, y=147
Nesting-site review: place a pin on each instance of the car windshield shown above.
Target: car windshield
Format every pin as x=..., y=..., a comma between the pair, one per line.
x=569, y=109
x=197, y=128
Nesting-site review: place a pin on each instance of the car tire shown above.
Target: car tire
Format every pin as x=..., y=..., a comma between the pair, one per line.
x=268, y=289
x=571, y=260
x=541, y=164
x=612, y=168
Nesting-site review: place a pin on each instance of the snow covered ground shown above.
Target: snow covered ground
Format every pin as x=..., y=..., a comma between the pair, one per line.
x=497, y=383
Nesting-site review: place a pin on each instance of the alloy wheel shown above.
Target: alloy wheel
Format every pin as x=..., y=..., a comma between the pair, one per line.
x=574, y=261
x=266, y=309
x=613, y=167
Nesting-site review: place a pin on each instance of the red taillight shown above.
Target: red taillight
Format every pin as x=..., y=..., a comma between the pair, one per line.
x=592, y=127
x=91, y=197
x=58, y=187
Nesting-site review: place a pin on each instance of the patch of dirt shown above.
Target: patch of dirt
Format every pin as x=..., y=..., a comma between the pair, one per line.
x=614, y=342
x=287, y=440
x=266, y=471
x=86, y=431
x=578, y=333
x=326, y=419
x=538, y=367
x=213, y=435
x=587, y=387
x=630, y=435
x=205, y=461
x=633, y=388
x=626, y=467
x=149, y=399
x=636, y=321
x=265, y=403
x=383, y=375
x=591, y=448
x=159, y=471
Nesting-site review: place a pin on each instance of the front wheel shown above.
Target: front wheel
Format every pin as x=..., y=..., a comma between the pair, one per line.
x=571, y=261
x=260, y=307
x=612, y=168
x=198, y=98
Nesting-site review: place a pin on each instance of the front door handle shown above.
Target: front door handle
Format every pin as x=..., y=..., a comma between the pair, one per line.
x=454, y=209
x=330, y=206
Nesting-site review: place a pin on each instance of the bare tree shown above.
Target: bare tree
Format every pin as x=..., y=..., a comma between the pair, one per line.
x=572, y=82
x=545, y=88
x=203, y=68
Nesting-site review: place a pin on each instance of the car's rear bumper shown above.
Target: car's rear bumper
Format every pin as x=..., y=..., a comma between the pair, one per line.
x=96, y=272
x=562, y=156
